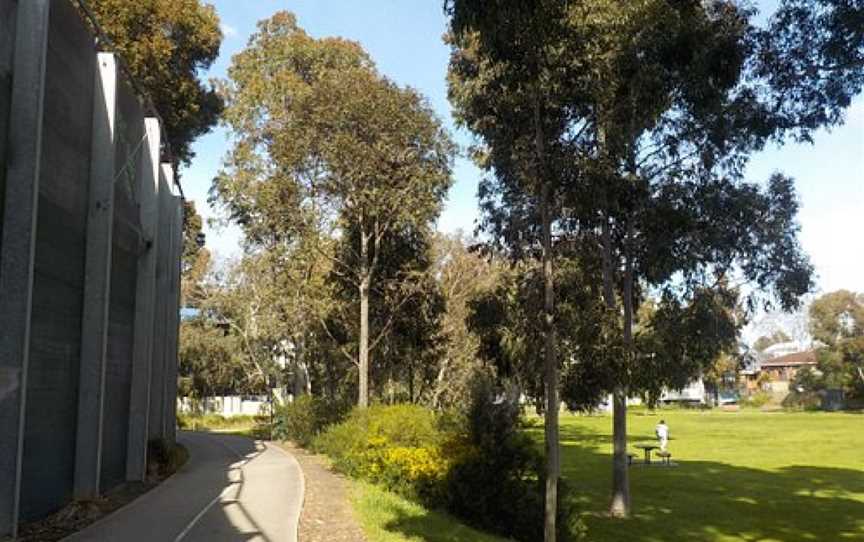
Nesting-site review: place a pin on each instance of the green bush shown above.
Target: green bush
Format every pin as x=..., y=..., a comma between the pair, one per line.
x=481, y=467
x=164, y=458
x=499, y=485
x=305, y=417
x=806, y=400
x=397, y=446
x=757, y=400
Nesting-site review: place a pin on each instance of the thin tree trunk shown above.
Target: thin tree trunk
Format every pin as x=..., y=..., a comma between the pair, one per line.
x=298, y=384
x=551, y=372
x=620, y=506
x=620, y=474
x=363, y=355
x=410, y=382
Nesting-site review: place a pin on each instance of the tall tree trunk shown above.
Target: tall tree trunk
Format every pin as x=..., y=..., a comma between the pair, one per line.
x=621, y=474
x=620, y=506
x=551, y=373
x=363, y=354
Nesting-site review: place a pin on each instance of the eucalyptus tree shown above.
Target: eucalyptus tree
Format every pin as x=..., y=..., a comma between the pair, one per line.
x=504, y=320
x=508, y=73
x=837, y=321
x=671, y=121
x=405, y=309
x=811, y=61
x=324, y=143
x=657, y=106
x=463, y=273
x=165, y=44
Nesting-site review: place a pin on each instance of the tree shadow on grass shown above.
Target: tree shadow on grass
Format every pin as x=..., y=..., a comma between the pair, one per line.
x=708, y=501
x=697, y=501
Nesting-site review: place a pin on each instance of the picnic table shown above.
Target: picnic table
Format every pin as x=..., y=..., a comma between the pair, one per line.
x=647, y=448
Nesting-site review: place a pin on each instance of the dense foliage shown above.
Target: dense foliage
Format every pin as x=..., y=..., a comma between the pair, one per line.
x=624, y=246
x=166, y=44
x=837, y=324
x=329, y=155
x=479, y=466
x=303, y=418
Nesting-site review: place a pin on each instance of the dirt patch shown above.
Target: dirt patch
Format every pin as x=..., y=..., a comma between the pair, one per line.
x=327, y=515
x=78, y=515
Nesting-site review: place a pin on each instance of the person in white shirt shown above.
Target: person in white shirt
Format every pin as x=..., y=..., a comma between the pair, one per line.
x=662, y=432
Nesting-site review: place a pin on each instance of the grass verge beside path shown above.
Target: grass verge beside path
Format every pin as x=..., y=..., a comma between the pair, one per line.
x=387, y=517
x=741, y=476
x=256, y=427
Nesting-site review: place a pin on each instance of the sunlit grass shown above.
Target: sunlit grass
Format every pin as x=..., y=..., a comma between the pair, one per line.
x=386, y=517
x=741, y=476
x=248, y=426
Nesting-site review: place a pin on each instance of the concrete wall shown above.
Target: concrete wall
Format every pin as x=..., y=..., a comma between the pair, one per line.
x=7, y=46
x=58, y=282
x=90, y=224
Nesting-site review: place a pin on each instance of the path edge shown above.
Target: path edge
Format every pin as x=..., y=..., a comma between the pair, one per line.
x=271, y=444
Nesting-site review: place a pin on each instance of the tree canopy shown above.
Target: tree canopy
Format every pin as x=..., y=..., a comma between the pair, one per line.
x=166, y=44
x=636, y=119
x=324, y=146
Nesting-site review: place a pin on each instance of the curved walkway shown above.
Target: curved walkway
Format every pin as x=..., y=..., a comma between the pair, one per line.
x=232, y=488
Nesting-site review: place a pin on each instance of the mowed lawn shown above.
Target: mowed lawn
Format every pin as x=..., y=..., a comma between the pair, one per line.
x=741, y=476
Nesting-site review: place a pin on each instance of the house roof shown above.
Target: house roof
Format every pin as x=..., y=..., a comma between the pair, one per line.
x=792, y=360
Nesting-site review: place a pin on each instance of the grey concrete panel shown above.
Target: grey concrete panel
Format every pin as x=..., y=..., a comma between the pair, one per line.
x=118, y=373
x=127, y=245
x=58, y=289
x=7, y=47
x=174, y=323
x=158, y=380
x=147, y=191
x=97, y=281
x=172, y=301
x=18, y=243
x=129, y=149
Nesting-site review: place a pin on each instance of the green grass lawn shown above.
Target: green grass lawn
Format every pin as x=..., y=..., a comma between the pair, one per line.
x=741, y=476
x=386, y=517
x=247, y=426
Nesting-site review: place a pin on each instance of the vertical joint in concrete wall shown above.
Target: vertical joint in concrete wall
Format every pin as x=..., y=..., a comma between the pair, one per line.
x=145, y=297
x=18, y=245
x=172, y=303
x=158, y=381
x=97, y=282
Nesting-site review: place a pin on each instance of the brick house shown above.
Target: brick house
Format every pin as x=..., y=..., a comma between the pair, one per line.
x=783, y=369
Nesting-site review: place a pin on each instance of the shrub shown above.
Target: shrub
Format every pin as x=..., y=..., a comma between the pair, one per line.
x=164, y=458
x=498, y=484
x=806, y=400
x=397, y=446
x=481, y=467
x=758, y=399
x=305, y=417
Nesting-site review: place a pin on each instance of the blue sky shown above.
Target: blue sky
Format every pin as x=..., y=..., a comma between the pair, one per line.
x=404, y=38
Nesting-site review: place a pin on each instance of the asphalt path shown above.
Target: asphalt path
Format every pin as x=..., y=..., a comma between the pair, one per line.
x=231, y=488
